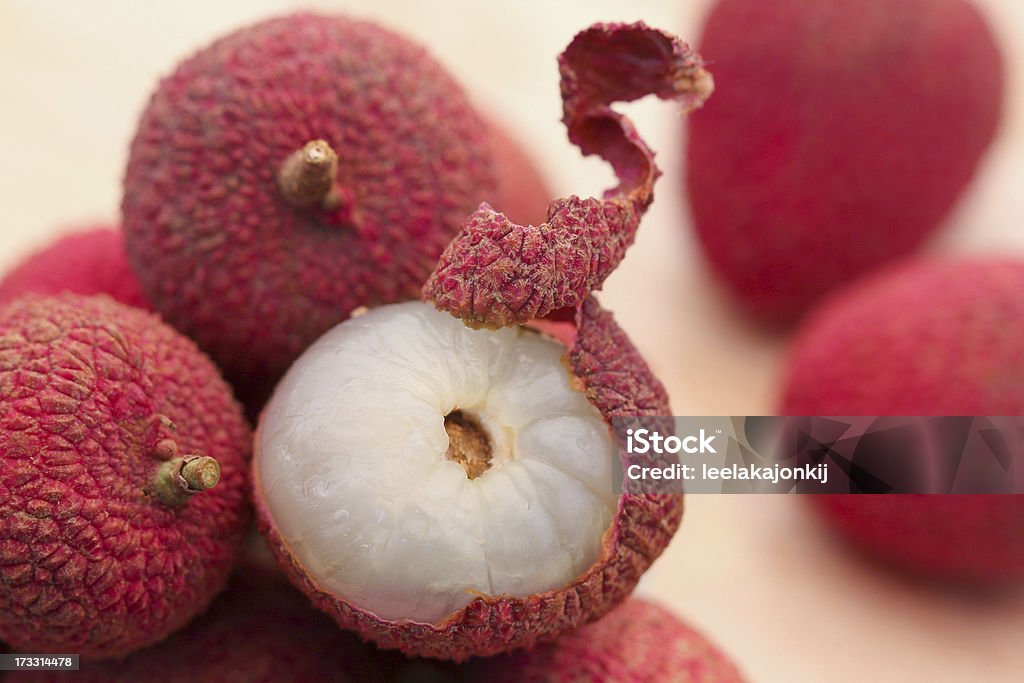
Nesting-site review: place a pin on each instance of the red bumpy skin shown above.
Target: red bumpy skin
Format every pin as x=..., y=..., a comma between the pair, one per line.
x=841, y=134
x=497, y=273
x=618, y=382
x=638, y=642
x=260, y=630
x=92, y=261
x=931, y=338
x=211, y=229
x=97, y=555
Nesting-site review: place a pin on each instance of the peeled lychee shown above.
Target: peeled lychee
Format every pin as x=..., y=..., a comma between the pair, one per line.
x=841, y=135
x=929, y=338
x=290, y=173
x=448, y=491
x=639, y=642
x=90, y=261
x=123, y=470
x=260, y=630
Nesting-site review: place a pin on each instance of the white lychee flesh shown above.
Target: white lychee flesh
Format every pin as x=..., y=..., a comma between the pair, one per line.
x=353, y=463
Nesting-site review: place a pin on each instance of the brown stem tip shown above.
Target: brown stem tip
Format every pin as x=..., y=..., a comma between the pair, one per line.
x=181, y=478
x=307, y=176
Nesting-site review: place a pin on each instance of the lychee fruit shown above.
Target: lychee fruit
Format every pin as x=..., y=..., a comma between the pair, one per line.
x=941, y=337
x=291, y=172
x=123, y=477
x=448, y=491
x=841, y=135
x=260, y=630
x=638, y=642
x=88, y=261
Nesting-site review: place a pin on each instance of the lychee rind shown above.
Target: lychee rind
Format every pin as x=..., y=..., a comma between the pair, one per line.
x=496, y=272
x=929, y=338
x=88, y=261
x=840, y=136
x=638, y=642
x=95, y=397
x=259, y=630
x=208, y=228
x=618, y=382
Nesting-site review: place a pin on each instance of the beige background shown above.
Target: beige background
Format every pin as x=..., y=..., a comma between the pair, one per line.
x=754, y=573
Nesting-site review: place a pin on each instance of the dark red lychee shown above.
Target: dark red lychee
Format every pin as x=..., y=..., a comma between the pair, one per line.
x=638, y=642
x=90, y=261
x=928, y=338
x=260, y=630
x=291, y=172
x=841, y=135
x=448, y=491
x=110, y=421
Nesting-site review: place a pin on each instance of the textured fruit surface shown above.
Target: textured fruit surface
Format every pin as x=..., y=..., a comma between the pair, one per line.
x=638, y=642
x=96, y=400
x=260, y=630
x=496, y=272
x=91, y=261
x=928, y=338
x=209, y=229
x=358, y=494
x=836, y=142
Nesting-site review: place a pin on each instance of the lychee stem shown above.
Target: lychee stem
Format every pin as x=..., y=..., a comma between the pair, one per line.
x=307, y=176
x=179, y=479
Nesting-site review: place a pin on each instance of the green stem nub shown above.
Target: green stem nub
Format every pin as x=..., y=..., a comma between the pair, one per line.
x=307, y=176
x=179, y=479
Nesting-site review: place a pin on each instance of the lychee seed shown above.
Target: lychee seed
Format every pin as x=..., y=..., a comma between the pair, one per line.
x=468, y=443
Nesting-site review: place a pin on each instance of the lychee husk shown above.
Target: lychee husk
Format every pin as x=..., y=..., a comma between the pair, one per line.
x=496, y=272
x=638, y=642
x=616, y=381
x=123, y=479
